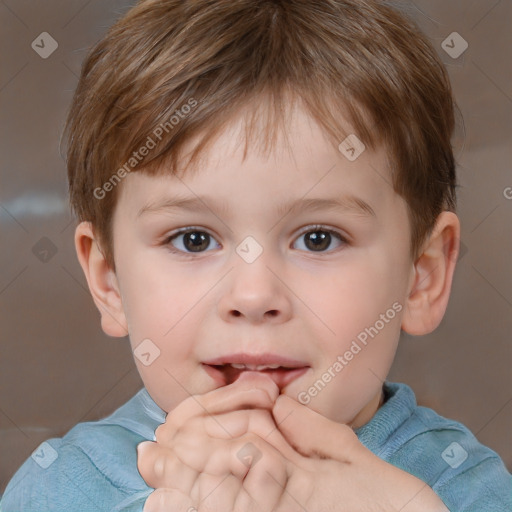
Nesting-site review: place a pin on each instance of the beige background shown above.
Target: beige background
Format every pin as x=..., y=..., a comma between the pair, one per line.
x=57, y=368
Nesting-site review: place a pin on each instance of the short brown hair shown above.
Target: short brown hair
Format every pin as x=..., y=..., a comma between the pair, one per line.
x=358, y=58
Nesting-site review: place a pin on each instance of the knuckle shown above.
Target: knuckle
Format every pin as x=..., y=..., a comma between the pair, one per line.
x=164, y=467
x=144, y=457
x=159, y=431
x=159, y=466
x=259, y=396
x=166, y=432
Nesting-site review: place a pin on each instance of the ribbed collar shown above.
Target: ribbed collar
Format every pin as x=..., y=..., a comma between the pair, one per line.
x=397, y=409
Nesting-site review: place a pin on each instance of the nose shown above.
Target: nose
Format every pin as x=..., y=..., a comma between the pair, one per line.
x=255, y=293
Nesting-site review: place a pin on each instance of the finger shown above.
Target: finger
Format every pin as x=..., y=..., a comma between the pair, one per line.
x=194, y=444
x=256, y=421
x=248, y=475
x=234, y=424
x=217, y=492
x=168, y=500
x=160, y=467
x=257, y=392
x=195, y=450
x=238, y=456
x=266, y=478
x=314, y=435
x=251, y=389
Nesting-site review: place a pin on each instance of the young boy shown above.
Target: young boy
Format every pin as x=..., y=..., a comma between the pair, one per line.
x=266, y=193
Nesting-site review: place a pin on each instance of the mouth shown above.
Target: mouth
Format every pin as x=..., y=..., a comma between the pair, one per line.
x=226, y=370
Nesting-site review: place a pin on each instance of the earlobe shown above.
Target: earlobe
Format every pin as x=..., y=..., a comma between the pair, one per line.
x=432, y=277
x=102, y=281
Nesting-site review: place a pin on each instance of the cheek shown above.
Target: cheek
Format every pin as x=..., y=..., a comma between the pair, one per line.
x=362, y=305
x=168, y=320
x=162, y=317
x=157, y=300
x=350, y=297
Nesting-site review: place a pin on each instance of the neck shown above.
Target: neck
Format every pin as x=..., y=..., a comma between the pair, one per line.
x=368, y=411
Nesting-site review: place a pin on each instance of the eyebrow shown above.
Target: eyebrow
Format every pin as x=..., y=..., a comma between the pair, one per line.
x=345, y=204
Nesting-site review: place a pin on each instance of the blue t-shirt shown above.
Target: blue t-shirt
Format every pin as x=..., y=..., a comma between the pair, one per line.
x=94, y=466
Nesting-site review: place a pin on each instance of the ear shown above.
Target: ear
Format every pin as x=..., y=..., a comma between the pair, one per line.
x=102, y=281
x=431, y=277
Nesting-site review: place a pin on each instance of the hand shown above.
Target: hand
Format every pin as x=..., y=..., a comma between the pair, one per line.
x=328, y=469
x=337, y=472
x=195, y=461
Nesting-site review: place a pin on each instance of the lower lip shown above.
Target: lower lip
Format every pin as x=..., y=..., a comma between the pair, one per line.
x=281, y=377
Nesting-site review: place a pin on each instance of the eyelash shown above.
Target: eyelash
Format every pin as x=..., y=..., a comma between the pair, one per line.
x=190, y=229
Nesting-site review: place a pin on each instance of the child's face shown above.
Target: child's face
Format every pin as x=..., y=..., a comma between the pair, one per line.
x=291, y=301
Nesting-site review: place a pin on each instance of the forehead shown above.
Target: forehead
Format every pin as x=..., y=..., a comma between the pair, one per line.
x=301, y=164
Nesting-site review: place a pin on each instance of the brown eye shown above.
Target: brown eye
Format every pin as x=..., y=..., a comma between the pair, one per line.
x=196, y=241
x=190, y=241
x=319, y=239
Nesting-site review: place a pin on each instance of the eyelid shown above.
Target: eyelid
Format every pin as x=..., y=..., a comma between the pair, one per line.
x=343, y=238
x=167, y=238
x=166, y=241
x=184, y=230
x=323, y=227
x=305, y=229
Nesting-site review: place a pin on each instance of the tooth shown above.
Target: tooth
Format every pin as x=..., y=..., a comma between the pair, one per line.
x=255, y=367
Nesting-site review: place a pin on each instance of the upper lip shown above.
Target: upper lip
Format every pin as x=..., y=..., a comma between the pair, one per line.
x=256, y=359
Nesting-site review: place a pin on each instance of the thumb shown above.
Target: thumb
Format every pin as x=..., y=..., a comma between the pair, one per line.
x=312, y=434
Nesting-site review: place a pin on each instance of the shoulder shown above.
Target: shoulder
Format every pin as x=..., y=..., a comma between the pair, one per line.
x=93, y=467
x=442, y=452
